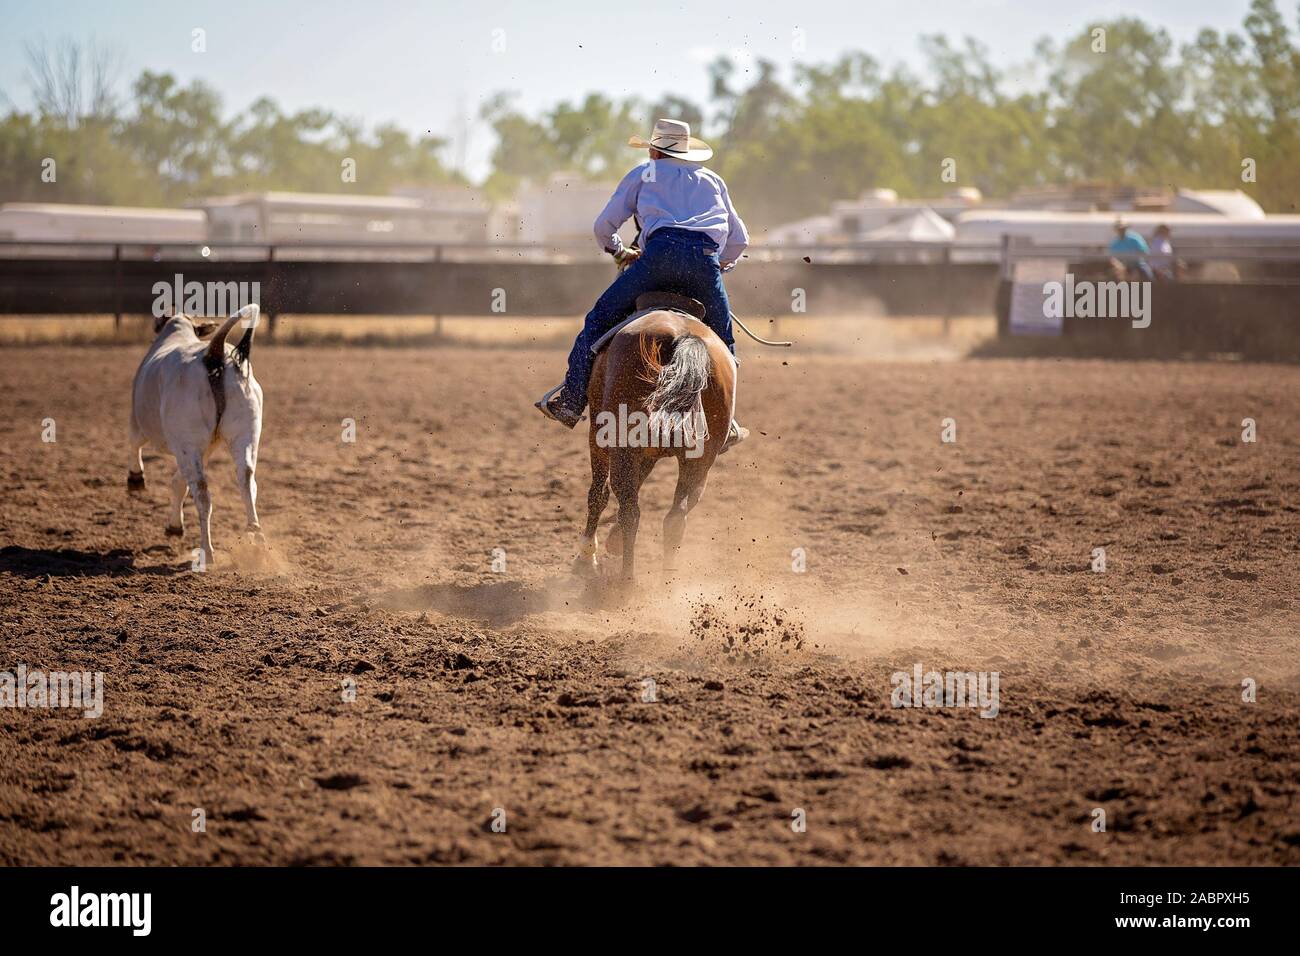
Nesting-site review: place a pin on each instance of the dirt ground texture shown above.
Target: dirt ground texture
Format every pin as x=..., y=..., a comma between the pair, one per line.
x=520, y=694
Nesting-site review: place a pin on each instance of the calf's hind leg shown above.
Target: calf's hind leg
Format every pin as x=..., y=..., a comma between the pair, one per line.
x=191, y=467
x=245, y=455
x=135, y=460
x=176, y=518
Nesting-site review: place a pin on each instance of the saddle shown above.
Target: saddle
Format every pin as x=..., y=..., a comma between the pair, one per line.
x=654, y=302
x=649, y=301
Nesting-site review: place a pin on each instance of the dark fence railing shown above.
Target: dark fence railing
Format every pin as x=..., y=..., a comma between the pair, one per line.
x=1258, y=320
x=511, y=280
x=1252, y=312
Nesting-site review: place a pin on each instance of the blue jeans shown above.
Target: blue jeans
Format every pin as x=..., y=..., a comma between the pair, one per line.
x=674, y=260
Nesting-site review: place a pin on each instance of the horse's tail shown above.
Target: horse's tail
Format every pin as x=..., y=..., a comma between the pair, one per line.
x=678, y=385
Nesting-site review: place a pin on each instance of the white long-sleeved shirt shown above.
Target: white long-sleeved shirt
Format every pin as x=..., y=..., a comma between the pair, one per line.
x=672, y=192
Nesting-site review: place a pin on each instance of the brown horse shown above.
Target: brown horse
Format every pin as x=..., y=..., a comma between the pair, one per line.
x=664, y=386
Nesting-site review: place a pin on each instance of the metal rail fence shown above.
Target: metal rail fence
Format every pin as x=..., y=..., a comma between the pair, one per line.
x=1241, y=299
x=484, y=279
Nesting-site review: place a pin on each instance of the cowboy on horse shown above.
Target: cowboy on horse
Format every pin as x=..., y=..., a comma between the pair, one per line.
x=691, y=235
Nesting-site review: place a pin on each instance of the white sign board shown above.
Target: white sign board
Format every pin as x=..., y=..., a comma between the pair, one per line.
x=1028, y=317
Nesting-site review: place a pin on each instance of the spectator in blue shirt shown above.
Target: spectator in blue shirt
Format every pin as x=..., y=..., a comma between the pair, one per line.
x=1129, y=251
x=690, y=234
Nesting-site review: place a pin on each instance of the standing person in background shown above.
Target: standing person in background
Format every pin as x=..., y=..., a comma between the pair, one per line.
x=1162, y=254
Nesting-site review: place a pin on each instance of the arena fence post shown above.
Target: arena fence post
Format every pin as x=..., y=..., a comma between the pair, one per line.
x=437, y=316
x=117, y=289
x=947, y=290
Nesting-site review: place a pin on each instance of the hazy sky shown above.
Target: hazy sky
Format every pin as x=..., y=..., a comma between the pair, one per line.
x=425, y=64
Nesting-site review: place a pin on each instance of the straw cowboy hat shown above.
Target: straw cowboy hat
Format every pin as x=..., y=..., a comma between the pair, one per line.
x=673, y=138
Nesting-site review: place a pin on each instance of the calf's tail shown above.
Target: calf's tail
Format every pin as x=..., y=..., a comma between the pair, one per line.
x=214, y=359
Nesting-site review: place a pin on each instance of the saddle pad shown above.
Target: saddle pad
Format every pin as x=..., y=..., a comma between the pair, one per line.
x=604, y=339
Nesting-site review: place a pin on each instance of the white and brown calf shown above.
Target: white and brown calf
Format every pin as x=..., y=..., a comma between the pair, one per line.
x=189, y=396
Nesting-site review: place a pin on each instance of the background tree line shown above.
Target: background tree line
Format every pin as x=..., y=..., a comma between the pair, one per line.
x=1143, y=112
x=166, y=144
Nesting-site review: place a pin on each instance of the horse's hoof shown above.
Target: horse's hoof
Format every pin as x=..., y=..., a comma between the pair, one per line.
x=257, y=539
x=585, y=567
x=134, y=482
x=172, y=532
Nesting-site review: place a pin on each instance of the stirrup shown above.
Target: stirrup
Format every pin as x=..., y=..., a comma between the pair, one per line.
x=736, y=433
x=547, y=396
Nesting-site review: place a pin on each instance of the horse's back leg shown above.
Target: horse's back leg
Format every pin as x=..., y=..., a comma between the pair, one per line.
x=627, y=471
x=614, y=542
x=597, y=499
x=691, y=479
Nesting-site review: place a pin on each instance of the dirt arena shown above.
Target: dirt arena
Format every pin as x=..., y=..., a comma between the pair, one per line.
x=519, y=694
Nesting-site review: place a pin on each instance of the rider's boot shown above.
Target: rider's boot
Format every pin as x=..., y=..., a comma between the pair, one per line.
x=554, y=407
